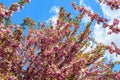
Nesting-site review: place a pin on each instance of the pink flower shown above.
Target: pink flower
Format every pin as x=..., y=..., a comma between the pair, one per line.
x=28, y=1
x=117, y=76
x=74, y=5
x=114, y=4
x=115, y=22
x=118, y=51
x=105, y=25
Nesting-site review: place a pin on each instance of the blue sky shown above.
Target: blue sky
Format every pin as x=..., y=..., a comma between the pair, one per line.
x=39, y=10
x=44, y=10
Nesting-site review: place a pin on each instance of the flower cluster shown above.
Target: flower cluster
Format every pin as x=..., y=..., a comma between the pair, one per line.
x=95, y=16
x=13, y=8
x=48, y=53
x=10, y=45
x=114, y=4
x=28, y=1
x=113, y=48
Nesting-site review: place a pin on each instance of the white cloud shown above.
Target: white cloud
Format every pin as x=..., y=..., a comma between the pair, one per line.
x=81, y=2
x=86, y=18
x=54, y=18
x=108, y=12
x=55, y=10
x=112, y=56
x=100, y=35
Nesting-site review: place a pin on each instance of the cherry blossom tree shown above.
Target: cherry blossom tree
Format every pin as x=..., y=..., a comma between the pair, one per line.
x=55, y=52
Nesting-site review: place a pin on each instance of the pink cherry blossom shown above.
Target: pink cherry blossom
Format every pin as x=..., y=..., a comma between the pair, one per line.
x=58, y=53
